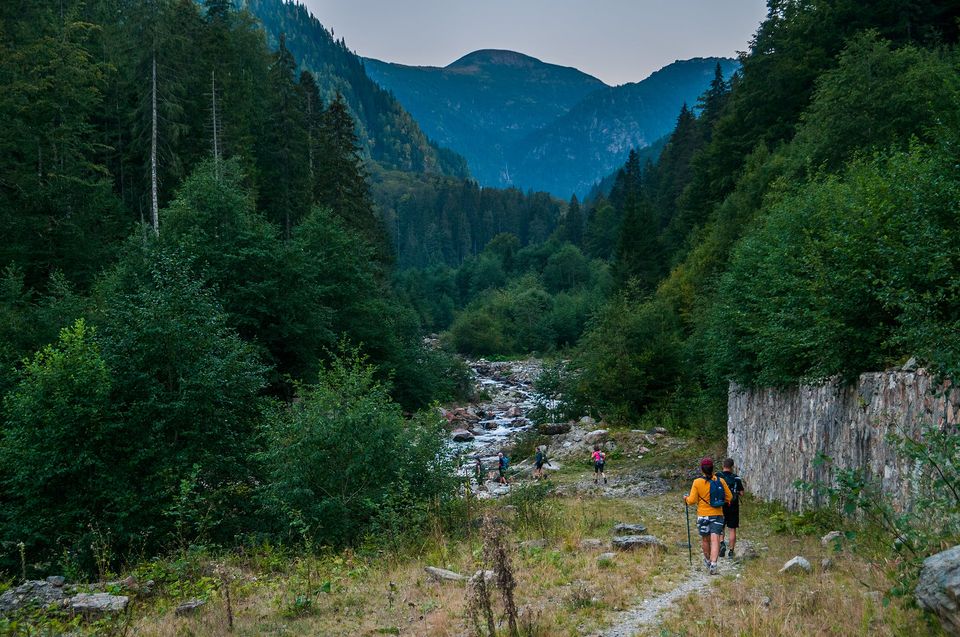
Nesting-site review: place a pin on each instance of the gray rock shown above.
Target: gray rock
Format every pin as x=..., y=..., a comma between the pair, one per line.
x=629, y=529
x=587, y=421
x=826, y=564
x=533, y=544
x=443, y=575
x=831, y=537
x=650, y=439
x=488, y=576
x=189, y=607
x=596, y=437
x=798, y=563
x=461, y=435
x=606, y=557
x=30, y=593
x=591, y=543
x=643, y=450
x=765, y=602
x=56, y=580
x=938, y=590
x=910, y=365
x=98, y=603
x=553, y=428
x=630, y=542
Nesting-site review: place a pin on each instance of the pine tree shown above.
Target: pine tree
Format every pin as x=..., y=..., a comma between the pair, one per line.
x=283, y=149
x=711, y=103
x=342, y=177
x=572, y=229
x=315, y=114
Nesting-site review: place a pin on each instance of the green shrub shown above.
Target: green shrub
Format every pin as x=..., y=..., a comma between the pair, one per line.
x=342, y=455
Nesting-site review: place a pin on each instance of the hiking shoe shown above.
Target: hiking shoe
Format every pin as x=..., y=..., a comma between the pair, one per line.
x=723, y=549
x=604, y=480
x=706, y=562
x=713, y=568
x=730, y=554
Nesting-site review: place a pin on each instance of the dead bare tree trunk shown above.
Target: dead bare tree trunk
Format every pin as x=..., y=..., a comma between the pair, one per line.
x=154, y=204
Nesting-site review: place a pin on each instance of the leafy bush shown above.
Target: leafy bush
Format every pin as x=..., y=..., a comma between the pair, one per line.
x=849, y=274
x=342, y=452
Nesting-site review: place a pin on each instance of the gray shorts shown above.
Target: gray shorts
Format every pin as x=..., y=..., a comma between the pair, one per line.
x=710, y=525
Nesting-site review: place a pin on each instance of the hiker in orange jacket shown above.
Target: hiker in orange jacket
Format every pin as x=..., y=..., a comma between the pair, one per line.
x=709, y=513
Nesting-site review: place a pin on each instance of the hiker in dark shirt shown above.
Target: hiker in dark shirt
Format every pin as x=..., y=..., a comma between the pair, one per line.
x=731, y=512
x=538, y=462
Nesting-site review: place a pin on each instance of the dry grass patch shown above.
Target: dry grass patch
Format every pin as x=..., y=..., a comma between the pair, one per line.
x=560, y=588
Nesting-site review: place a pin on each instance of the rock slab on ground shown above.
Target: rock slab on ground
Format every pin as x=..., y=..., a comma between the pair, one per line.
x=461, y=435
x=443, y=575
x=630, y=542
x=938, y=590
x=98, y=603
x=797, y=564
x=189, y=607
x=629, y=529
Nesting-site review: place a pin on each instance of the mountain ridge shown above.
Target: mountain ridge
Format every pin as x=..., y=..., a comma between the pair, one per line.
x=523, y=122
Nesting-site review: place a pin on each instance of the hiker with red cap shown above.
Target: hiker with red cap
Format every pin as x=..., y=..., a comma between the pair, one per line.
x=709, y=492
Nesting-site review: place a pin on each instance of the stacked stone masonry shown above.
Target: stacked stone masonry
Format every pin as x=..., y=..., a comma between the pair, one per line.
x=777, y=435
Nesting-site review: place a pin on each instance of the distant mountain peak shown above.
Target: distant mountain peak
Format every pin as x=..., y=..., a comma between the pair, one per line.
x=495, y=57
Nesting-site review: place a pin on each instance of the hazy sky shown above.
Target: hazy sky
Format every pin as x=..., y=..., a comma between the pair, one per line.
x=618, y=41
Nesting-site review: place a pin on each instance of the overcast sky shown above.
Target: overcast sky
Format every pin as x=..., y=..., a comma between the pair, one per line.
x=618, y=41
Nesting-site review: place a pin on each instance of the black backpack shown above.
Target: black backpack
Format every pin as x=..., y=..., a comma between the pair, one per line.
x=734, y=482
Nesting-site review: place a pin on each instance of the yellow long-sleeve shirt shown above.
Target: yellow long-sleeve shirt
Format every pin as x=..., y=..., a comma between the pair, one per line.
x=700, y=495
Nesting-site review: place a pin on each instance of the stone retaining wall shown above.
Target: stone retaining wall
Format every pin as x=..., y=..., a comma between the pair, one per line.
x=776, y=435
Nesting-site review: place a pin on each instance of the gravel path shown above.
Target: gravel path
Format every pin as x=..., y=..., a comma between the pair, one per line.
x=647, y=612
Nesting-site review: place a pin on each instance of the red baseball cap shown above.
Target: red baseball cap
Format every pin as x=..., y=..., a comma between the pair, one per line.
x=706, y=463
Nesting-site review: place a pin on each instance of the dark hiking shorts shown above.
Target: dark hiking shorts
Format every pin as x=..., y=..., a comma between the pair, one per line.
x=731, y=515
x=539, y=465
x=710, y=525
x=598, y=467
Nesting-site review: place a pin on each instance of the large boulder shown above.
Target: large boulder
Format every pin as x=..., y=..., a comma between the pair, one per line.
x=596, y=437
x=553, y=428
x=938, y=590
x=31, y=594
x=631, y=542
x=461, y=435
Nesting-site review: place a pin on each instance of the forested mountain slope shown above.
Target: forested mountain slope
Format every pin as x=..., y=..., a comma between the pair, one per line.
x=388, y=133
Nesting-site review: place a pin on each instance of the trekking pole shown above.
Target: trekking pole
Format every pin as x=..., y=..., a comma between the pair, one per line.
x=686, y=509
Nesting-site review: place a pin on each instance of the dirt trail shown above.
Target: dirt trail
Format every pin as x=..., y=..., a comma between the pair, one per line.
x=647, y=612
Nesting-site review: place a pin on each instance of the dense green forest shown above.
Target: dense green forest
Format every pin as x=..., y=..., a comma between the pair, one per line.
x=194, y=280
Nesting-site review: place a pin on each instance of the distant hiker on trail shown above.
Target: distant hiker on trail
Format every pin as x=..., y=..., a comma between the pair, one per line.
x=709, y=493
x=502, y=464
x=731, y=512
x=599, y=462
x=538, y=461
x=478, y=471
